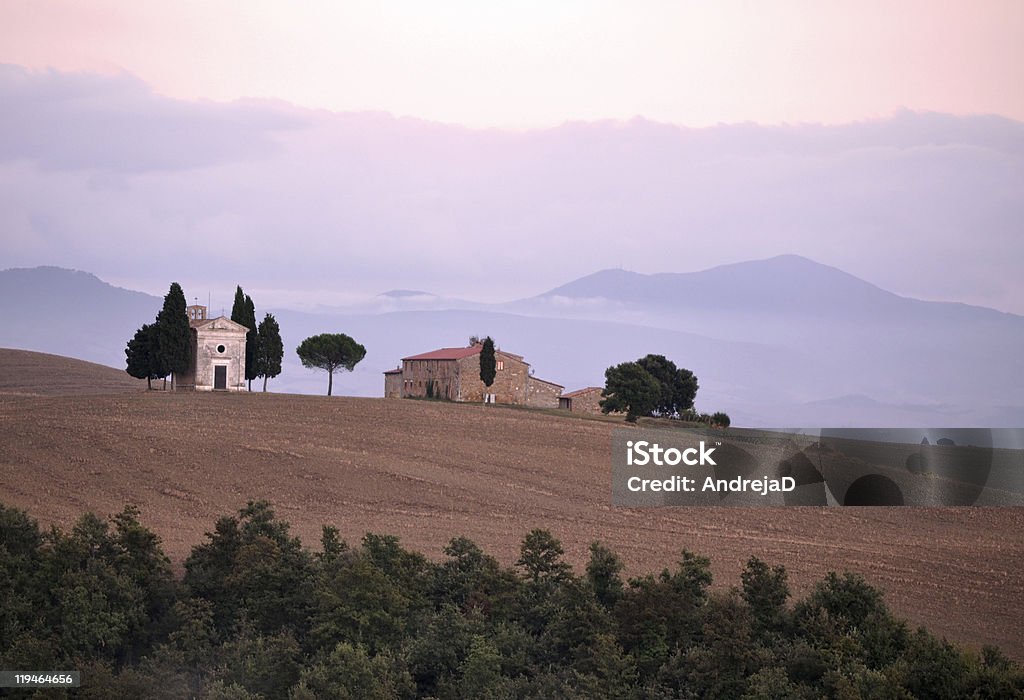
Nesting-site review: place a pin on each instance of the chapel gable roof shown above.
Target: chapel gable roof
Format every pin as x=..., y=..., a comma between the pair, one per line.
x=221, y=323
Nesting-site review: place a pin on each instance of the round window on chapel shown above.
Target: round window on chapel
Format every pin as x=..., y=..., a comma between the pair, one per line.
x=220, y=348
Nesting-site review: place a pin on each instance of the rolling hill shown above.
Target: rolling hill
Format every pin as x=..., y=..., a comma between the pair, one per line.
x=26, y=373
x=430, y=471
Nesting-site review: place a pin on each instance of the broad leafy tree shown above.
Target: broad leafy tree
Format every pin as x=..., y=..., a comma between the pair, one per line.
x=174, y=336
x=269, y=349
x=143, y=355
x=678, y=386
x=630, y=389
x=540, y=556
x=330, y=352
x=603, y=571
x=252, y=569
x=765, y=590
x=488, y=364
x=721, y=418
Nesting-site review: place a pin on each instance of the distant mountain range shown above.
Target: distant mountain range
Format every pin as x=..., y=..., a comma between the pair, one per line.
x=781, y=342
x=787, y=285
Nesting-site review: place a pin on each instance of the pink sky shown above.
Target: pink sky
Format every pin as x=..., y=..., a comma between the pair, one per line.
x=535, y=63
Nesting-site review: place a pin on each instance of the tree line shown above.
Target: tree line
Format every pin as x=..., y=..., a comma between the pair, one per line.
x=264, y=348
x=164, y=348
x=258, y=615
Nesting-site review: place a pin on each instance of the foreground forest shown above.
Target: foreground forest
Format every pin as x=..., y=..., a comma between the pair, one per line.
x=257, y=615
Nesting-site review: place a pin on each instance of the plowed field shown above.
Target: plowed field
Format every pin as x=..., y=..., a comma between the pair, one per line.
x=429, y=471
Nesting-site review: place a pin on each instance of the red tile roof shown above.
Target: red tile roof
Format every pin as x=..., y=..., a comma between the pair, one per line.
x=446, y=354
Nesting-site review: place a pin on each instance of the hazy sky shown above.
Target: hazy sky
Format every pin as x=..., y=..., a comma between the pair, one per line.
x=886, y=139
x=537, y=62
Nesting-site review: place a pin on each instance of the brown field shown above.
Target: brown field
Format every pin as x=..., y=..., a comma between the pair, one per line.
x=429, y=471
x=27, y=373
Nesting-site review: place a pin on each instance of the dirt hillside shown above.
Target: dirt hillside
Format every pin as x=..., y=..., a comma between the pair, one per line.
x=429, y=471
x=23, y=372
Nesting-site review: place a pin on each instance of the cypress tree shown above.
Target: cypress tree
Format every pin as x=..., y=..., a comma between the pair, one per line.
x=251, y=341
x=238, y=307
x=488, y=364
x=174, y=337
x=244, y=312
x=269, y=349
x=143, y=355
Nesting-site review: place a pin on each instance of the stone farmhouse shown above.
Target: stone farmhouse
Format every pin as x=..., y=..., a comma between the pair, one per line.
x=218, y=354
x=454, y=374
x=586, y=400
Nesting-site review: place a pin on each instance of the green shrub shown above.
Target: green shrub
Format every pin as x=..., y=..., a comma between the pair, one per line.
x=260, y=616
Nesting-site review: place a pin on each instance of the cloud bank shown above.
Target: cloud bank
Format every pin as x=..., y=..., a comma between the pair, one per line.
x=101, y=173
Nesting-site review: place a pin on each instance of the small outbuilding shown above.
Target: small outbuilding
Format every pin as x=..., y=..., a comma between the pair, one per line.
x=586, y=400
x=393, y=383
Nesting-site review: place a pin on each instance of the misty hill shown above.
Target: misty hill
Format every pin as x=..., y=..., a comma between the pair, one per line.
x=895, y=349
x=783, y=285
x=786, y=281
x=69, y=312
x=779, y=342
